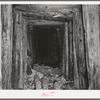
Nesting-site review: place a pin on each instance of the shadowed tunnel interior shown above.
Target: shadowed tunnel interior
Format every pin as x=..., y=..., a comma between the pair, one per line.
x=46, y=45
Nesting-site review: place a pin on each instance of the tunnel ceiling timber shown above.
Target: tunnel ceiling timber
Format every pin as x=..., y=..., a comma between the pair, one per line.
x=48, y=12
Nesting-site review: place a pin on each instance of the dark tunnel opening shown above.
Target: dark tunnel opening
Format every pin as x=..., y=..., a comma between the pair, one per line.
x=46, y=45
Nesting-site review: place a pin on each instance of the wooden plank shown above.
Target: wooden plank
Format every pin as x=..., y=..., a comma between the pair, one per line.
x=80, y=70
x=75, y=48
x=43, y=22
x=20, y=84
x=81, y=64
x=70, y=46
x=19, y=51
x=7, y=34
x=24, y=49
x=49, y=18
x=16, y=50
x=81, y=56
x=65, y=51
x=91, y=26
x=46, y=8
x=23, y=52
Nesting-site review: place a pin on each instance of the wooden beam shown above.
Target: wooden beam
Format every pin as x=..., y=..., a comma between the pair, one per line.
x=19, y=51
x=75, y=44
x=70, y=50
x=24, y=50
x=17, y=48
x=82, y=67
x=43, y=22
x=7, y=34
x=65, y=52
x=35, y=16
x=46, y=8
x=92, y=36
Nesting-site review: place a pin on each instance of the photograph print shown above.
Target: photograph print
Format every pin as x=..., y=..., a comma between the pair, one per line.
x=50, y=47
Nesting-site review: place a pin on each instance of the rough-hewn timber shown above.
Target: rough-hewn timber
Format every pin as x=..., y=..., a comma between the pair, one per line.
x=65, y=52
x=91, y=26
x=7, y=34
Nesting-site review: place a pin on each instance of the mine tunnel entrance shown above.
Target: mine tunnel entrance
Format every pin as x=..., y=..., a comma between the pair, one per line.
x=47, y=51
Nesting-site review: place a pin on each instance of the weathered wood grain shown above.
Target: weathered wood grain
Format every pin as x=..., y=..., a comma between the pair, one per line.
x=24, y=48
x=70, y=50
x=7, y=34
x=48, y=11
x=19, y=51
x=65, y=52
x=91, y=25
x=78, y=37
x=75, y=30
x=83, y=78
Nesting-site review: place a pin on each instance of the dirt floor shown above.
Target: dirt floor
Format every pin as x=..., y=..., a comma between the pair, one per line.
x=46, y=78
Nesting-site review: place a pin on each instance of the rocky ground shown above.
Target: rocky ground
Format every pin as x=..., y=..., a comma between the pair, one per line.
x=46, y=78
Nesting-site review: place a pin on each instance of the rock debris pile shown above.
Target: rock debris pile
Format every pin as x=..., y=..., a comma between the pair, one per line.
x=46, y=78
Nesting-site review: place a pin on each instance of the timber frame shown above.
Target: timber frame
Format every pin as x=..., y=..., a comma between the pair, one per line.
x=74, y=18
x=73, y=56
x=20, y=24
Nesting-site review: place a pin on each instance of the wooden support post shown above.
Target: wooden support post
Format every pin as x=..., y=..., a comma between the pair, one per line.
x=92, y=36
x=82, y=56
x=75, y=30
x=24, y=48
x=80, y=68
x=70, y=50
x=19, y=51
x=7, y=34
x=65, y=51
